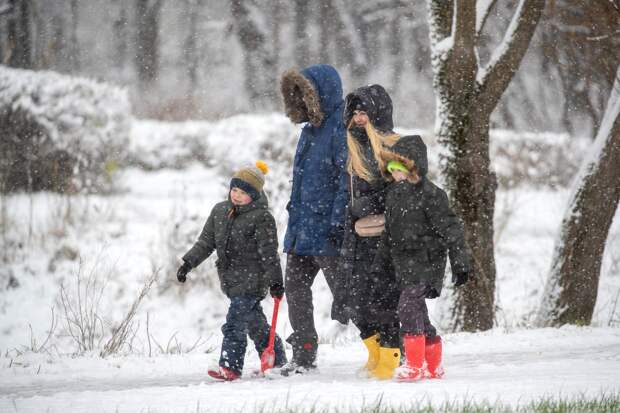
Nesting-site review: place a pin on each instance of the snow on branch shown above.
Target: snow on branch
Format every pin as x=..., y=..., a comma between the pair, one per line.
x=483, y=9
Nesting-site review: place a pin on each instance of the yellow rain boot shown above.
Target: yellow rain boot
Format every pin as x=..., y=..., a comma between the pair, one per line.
x=372, y=344
x=389, y=360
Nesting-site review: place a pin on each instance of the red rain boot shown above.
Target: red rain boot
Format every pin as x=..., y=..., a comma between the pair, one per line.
x=413, y=369
x=433, y=357
x=223, y=373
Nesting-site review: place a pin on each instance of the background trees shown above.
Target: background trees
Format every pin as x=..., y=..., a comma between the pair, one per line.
x=178, y=58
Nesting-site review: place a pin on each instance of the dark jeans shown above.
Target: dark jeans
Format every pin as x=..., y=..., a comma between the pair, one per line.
x=299, y=275
x=413, y=313
x=373, y=297
x=245, y=317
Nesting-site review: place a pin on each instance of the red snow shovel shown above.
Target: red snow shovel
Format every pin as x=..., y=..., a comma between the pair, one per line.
x=268, y=358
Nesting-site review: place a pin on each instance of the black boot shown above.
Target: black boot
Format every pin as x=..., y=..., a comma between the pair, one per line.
x=304, y=356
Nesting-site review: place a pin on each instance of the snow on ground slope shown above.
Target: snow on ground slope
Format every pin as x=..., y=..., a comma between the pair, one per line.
x=515, y=368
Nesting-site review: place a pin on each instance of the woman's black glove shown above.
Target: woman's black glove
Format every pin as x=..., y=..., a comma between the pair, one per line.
x=276, y=290
x=182, y=272
x=335, y=235
x=461, y=278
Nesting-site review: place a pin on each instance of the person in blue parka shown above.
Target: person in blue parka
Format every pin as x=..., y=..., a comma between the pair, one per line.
x=316, y=209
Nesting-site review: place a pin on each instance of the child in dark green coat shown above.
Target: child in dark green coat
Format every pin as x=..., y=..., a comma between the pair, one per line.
x=243, y=232
x=421, y=230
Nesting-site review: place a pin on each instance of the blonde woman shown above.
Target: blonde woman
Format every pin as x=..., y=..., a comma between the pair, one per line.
x=372, y=298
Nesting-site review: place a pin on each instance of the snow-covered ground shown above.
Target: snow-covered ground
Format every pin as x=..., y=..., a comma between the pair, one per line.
x=515, y=368
x=121, y=239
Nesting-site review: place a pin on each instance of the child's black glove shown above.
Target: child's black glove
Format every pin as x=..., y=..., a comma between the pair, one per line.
x=461, y=278
x=182, y=272
x=276, y=290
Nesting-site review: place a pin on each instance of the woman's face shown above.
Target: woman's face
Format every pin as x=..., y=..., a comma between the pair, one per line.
x=239, y=196
x=360, y=118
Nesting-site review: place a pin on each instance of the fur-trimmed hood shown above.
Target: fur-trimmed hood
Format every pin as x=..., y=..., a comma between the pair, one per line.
x=312, y=94
x=409, y=150
x=376, y=102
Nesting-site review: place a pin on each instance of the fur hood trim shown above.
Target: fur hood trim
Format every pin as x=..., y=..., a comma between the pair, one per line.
x=301, y=100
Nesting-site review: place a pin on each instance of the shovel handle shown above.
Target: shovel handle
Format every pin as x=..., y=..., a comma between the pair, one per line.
x=274, y=320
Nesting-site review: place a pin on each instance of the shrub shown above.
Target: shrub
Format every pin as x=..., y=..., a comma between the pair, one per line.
x=60, y=133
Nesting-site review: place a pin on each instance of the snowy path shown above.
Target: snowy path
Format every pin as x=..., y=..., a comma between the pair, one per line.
x=512, y=367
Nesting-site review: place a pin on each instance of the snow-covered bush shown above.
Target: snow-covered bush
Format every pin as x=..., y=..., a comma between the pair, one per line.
x=157, y=145
x=60, y=132
x=518, y=158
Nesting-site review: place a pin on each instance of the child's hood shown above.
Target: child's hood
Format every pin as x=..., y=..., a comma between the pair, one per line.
x=410, y=150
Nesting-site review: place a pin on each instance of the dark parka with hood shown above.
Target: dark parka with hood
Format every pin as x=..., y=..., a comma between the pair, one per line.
x=246, y=241
x=319, y=194
x=421, y=228
x=370, y=298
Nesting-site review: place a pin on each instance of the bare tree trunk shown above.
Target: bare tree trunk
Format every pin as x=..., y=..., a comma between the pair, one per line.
x=302, y=44
x=278, y=11
x=190, y=49
x=19, y=28
x=74, y=46
x=326, y=25
x=396, y=46
x=466, y=95
x=350, y=42
x=259, y=62
x=572, y=287
x=119, y=33
x=147, y=40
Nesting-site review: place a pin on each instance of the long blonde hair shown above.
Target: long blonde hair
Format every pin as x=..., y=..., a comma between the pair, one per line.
x=355, y=162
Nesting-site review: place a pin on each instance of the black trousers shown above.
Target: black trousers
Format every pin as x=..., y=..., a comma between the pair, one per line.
x=413, y=312
x=373, y=297
x=299, y=276
x=245, y=317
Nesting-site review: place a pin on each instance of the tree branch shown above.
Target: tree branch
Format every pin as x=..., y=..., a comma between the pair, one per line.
x=507, y=57
x=482, y=19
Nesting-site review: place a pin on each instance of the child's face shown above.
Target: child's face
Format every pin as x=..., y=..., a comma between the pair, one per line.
x=239, y=196
x=399, y=175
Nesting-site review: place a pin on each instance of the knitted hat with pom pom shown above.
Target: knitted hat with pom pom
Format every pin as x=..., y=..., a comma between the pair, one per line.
x=251, y=179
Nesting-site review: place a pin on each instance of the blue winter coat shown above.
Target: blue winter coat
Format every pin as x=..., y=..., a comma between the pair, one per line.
x=319, y=192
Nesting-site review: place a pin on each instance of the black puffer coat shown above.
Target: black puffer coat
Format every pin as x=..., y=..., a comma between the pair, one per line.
x=421, y=228
x=364, y=289
x=246, y=241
